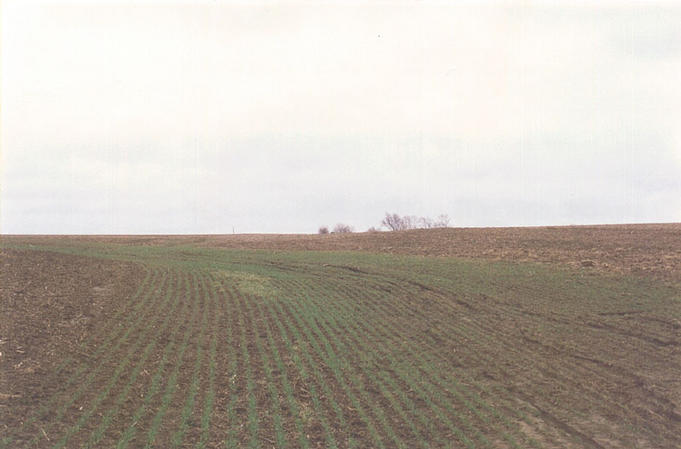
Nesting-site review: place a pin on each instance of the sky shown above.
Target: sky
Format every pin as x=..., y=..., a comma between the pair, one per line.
x=280, y=117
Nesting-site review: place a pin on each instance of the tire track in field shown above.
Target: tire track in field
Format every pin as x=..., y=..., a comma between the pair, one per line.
x=576, y=433
x=571, y=313
x=546, y=375
x=549, y=370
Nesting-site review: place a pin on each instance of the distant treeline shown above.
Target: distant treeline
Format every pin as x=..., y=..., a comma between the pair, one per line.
x=395, y=222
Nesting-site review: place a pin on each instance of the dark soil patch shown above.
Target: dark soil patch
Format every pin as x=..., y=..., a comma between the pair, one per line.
x=50, y=304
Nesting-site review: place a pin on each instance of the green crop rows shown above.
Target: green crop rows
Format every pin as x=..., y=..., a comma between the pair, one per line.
x=259, y=349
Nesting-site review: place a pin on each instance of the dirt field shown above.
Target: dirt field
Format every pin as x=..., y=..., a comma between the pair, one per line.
x=344, y=341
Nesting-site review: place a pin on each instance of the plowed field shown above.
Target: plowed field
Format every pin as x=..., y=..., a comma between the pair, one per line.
x=121, y=344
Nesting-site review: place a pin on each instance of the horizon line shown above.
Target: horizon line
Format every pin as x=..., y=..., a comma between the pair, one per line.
x=314, y=233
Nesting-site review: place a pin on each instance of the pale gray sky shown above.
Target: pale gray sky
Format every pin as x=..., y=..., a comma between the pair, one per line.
x=283, y=116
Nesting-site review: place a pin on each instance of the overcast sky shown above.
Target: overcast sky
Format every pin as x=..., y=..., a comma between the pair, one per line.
x=284, y=116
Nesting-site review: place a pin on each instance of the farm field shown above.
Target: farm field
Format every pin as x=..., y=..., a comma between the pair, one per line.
x=544, y=338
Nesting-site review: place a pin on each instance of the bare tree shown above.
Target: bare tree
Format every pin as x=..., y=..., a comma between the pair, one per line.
x=396, y=223
x=323, y=230
x=393, y=222
x=341, y=228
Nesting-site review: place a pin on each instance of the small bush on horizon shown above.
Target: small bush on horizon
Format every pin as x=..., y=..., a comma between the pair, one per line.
x=341, y=228
x=323, y=230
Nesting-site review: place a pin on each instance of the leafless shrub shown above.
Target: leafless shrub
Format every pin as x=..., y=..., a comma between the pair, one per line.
x=341, y=228
x=323, y=230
